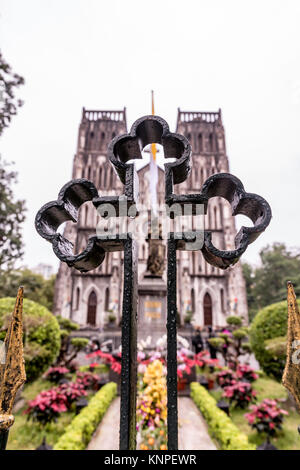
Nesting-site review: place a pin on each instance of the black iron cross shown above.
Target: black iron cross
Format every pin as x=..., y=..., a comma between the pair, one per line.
x=145, y=131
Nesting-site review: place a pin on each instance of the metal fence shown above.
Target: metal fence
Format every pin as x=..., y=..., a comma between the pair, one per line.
x=148, y=130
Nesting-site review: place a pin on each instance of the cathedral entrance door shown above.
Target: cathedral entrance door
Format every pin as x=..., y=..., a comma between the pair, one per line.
x=207, y=307
x=92, y=306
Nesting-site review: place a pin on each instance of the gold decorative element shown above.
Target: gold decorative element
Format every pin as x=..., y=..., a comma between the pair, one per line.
x=6, y=421
x=12, y=372
x=291, y=375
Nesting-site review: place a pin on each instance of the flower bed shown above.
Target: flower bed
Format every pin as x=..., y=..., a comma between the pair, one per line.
x=152, y=408
x=78, y=434
x=220, y=425
x=288, y=437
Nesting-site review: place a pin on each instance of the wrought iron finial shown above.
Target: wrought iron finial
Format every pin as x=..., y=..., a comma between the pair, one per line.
x=291, y=374
x=12, y=372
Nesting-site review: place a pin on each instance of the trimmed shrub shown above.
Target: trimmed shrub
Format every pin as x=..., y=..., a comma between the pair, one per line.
x=99, y=368
x=78, y=434
x=234, y=320
x=269, y=323
x=220, y=425
x=41, y=335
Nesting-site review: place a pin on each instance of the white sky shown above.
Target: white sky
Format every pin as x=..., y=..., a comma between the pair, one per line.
x=197, y=55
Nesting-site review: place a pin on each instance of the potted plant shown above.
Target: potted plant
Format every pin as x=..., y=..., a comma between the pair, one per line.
x=188, y=318
x=111, y=318
x=246, y=373
x=225, y=377
x=181, y=383
x=47, y=406
x=266, y=418
x=211, y=380
x=239, y=394
x=55, y=374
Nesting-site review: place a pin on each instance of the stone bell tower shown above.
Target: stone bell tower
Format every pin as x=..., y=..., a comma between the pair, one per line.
x=209, y=292
x=86, y=298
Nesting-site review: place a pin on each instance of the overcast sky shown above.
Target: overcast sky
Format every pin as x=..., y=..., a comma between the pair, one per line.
x=243, y=57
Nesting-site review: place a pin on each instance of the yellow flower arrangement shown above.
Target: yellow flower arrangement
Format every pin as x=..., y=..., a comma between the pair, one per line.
x=152, y=408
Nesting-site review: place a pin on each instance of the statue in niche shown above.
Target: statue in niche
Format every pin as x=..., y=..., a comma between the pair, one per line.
x=156, y=257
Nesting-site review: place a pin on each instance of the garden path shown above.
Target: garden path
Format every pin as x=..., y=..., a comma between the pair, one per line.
x=192, y=430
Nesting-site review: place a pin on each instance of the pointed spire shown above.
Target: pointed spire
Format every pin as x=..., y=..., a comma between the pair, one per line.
x=153, y=146
x=12, y=373
x=291, y=375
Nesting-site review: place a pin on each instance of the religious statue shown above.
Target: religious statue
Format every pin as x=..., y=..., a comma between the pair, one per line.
x=156, y=257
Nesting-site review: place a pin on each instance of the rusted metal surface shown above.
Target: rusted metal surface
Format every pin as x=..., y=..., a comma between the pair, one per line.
x=291, y=375
x=122, y=149
x=12, y=372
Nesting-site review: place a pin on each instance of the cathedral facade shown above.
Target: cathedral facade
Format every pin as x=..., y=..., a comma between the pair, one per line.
x=205, y=293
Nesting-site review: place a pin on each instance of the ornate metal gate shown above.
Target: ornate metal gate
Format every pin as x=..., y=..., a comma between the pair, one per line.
x=147, y=130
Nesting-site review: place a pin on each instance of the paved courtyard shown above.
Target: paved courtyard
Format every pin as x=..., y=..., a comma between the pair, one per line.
x=192, y=430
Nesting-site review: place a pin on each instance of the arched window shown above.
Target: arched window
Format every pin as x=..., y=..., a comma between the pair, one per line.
x=102, y=135
x=210, y=142
x=106, y=300
x=92, y=309
x=194, y=261
x=202, y=176
x=222, y=299
x=100, y=178
x=193, y=300
x=107, y=262
x=207, y=310
x=188, y=136
x=215, y=217
x=89, y=173
x=113, y=135
x=209, y=217
x=86, y=215
x=77, y=298
x=200, y=143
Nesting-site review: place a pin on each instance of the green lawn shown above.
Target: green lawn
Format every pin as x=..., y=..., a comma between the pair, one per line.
x=26, y=435
x=289, y=439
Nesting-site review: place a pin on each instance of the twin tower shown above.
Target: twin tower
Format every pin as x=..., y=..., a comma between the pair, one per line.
x=207, y=293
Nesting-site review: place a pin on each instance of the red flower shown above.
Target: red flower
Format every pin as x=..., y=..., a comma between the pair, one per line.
x=266, y=417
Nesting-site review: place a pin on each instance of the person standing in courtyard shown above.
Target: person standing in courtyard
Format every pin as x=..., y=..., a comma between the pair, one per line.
x=197, y=340
x=212, y=350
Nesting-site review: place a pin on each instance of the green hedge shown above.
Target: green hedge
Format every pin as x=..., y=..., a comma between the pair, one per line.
x=99, y=369
x=269, y=323
x=41, y=335
x=78, y=434
x=220, y=425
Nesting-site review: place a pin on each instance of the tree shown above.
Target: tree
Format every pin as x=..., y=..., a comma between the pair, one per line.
x=267, y=284
x=36, y=287
x=70, y=347
x=12, y=214
x=232, y=343
x=9, y=81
